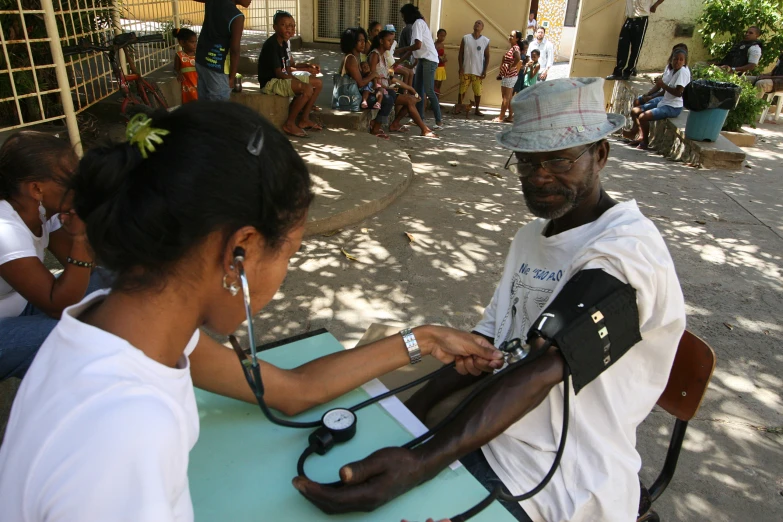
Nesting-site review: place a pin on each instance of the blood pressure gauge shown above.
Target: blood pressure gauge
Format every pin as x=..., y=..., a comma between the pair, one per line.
x=341, y=423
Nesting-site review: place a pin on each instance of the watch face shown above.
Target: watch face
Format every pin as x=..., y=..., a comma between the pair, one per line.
x=339, y=419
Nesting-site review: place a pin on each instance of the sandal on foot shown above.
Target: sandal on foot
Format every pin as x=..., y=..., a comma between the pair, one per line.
x=302, y=135
x=403, y=128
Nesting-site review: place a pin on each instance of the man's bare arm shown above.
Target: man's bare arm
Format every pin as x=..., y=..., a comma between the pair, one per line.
x=390, y=472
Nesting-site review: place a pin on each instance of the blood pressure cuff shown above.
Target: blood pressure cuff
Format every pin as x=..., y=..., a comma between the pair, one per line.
x=594, y=321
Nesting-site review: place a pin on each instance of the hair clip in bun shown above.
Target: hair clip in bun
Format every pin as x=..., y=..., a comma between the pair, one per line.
x=256, y=142
x=141, y=133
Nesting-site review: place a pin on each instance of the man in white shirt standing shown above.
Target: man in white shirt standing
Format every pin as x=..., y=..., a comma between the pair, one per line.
x=546, y=51
x=473, y=63
x=511, y=431
x=632, y=37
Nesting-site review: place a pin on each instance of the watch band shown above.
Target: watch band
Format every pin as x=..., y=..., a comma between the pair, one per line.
x=414, y=352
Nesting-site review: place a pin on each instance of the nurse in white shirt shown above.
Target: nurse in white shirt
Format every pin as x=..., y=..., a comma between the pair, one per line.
x=34, y=169
x=103, y=423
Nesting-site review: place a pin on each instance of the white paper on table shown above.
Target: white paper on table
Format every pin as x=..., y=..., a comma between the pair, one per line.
x=397, y=409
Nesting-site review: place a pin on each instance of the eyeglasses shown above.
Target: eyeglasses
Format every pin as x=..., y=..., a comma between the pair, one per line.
x=553, y=166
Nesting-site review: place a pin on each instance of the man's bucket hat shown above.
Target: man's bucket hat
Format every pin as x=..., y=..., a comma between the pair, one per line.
x=559, y=114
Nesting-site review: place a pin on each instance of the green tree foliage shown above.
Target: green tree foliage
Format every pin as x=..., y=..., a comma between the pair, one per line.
x=748, y=109
x=723, y=23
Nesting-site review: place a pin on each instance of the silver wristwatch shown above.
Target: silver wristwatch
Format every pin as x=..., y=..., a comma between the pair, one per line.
x=414, y=352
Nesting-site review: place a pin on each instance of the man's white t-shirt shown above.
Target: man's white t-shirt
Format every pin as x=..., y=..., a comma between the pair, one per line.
x=547, y=50
x=754, y=54
x=17, y=241
x=473, y=54
x=637, y=8
x=421, y=32
x=598, y=475
x=674, y=79
x=99, y=431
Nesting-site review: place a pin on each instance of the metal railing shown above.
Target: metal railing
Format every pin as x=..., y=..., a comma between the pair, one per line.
x=37, y=85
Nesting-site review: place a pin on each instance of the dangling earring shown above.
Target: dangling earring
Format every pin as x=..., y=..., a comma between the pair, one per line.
x=41, y=211
x=233, y=288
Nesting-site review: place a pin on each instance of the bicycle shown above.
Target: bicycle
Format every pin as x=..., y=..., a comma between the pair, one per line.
x=148, y=92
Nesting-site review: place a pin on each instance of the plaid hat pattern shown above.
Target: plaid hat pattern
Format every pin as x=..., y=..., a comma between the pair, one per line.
x=559, y=114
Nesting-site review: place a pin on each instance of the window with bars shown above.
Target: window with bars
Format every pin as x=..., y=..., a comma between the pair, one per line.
x=335, y=16
x=572, y=12
x=387, y=12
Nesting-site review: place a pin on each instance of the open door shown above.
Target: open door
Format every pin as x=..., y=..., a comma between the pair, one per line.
x=597, y=33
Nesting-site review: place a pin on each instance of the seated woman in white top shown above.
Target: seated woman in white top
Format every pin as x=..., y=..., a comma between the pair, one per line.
x=103, y=423
x=34, y=169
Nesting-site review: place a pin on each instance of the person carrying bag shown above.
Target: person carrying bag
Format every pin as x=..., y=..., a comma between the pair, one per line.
x=346, y=95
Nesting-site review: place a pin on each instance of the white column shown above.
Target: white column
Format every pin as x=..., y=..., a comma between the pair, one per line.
x=62, y=76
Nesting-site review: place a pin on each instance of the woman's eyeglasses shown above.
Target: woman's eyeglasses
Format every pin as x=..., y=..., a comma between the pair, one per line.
x=525, y=167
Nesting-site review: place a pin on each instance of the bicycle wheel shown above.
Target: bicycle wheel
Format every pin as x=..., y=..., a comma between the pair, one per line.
x=152, y=95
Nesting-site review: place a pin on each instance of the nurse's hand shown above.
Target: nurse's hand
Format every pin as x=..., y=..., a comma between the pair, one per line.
x=471, y=353
x=367, y=484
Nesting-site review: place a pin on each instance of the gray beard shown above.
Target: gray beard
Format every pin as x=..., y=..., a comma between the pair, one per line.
x=573, y=198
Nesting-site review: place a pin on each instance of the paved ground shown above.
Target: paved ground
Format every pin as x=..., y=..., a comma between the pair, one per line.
x=725, y=233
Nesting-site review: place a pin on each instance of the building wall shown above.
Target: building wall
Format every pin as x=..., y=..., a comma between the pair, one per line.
x=660, y=39
x=567, y=39
x=552, y=13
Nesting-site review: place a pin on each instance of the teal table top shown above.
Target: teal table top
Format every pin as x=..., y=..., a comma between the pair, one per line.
x=242, y=466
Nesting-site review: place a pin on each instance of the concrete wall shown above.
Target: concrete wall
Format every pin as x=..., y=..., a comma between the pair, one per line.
x=660, y=37
x=567, y=39
x=551, y=14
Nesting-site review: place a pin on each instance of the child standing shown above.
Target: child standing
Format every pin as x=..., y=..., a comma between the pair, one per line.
x=440, y=72
x=217, y=51
x=531, y=69
x=185, y=64
x=523, y=59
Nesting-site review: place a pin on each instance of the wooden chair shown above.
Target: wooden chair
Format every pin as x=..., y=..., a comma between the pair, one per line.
x=688, y=381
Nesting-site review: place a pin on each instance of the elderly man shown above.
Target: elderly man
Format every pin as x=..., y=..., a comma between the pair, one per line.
x=745, y=55
x=473, y=62
x=546, y=52
x=510, y=432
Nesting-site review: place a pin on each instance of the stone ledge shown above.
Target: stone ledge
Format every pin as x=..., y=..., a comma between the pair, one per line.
x=668, y=136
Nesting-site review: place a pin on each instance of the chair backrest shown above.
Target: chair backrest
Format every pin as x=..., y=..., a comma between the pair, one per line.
x=688, y=380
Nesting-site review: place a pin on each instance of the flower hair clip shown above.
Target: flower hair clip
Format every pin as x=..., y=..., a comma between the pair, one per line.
x=141, y=133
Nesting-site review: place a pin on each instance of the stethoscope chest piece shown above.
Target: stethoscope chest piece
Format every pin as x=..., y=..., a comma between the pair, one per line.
x=515, y=350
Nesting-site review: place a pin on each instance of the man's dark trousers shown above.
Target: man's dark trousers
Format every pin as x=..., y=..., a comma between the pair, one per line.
x=631, y=40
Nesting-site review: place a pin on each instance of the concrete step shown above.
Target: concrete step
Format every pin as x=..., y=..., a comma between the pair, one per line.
x=668, y=136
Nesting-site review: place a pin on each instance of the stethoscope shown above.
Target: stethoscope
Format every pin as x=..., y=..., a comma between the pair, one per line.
x=338, y=425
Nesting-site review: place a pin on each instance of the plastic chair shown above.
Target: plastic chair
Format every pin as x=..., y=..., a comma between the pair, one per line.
x=688, y=381
x=778, y=108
